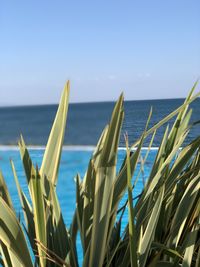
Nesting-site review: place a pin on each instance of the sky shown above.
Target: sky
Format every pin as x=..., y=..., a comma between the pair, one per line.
x=147, y=49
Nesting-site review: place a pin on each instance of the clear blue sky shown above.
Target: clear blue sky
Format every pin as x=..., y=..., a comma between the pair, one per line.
x=148, y=49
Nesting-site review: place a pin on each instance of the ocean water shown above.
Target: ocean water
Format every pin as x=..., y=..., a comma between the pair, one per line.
x=86, y=121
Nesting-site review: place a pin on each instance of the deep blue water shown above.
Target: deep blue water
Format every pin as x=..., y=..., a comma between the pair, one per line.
x=86, y=121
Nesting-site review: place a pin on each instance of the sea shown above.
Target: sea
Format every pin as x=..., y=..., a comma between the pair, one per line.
x=84, y=125
x=86, y=121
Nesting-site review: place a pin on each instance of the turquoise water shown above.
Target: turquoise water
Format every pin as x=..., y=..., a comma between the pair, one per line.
x=73, y=161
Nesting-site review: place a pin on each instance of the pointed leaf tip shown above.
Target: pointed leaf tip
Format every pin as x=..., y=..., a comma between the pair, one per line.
x=56, y=138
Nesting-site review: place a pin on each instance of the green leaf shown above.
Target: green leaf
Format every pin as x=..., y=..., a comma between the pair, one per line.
x=39, y=213
x=12, y=235
x=179, y=220
x=51, y=159
x=132, y=235
x=27, y=211
x=104, y=185
x=6, y=259
x=148, y=234
x=190, y=246
x=4, y=192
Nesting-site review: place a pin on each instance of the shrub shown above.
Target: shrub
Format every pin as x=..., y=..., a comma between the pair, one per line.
x=163, y=225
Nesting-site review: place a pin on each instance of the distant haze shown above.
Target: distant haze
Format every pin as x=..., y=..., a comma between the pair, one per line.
x=148, y=49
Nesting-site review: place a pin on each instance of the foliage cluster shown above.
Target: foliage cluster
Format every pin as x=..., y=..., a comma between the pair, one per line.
x=163, y=225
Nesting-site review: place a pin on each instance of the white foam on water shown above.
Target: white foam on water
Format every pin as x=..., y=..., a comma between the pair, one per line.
x=143, y=148
x=65, y=148
x=8, y=148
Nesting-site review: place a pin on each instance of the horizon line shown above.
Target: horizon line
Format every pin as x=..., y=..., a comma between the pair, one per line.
x=86, y=102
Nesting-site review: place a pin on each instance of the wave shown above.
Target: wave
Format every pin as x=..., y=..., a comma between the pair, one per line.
x=65, y=148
